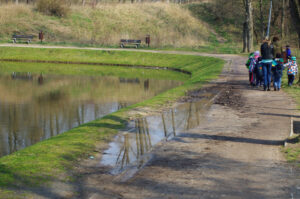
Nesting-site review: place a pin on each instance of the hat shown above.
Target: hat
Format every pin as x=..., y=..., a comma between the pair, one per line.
x=256, y=53
x=293, y=58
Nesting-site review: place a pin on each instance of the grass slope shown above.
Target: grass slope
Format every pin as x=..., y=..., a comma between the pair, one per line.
x=106, y=24
x=50, y=160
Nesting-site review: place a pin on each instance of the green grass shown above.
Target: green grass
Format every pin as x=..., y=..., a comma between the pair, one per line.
x=109, y=57
x=90, y=70
x=225, y=39
x=292, y=152
x=52, y=159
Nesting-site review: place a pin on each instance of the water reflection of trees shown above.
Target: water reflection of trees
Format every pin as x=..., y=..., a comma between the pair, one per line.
x=135, y=144
x=22, y=125
x=31, y=111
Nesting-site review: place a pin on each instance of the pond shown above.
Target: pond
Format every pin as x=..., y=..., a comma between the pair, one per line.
x=35, y=107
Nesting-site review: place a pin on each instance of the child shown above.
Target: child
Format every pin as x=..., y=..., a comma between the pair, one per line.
x=292, y=70
x=248, y=63
x=258, y=70
x=253, y=61
x=279, y=67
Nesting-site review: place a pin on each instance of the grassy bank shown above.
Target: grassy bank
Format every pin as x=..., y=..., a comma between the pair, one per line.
x=292, y=152
x=106, y=24
x=50, y=160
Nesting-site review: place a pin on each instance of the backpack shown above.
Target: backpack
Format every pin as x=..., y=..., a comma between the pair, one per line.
x=252, y=65
x=249, y=60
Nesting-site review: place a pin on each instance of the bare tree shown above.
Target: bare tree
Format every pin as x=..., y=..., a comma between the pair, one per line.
x=262, y=25
x=295, y=15
x=248, y=25
x=283, y=19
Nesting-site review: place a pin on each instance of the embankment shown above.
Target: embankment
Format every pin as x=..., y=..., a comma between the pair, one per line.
x=168, y=24
x=32, y=169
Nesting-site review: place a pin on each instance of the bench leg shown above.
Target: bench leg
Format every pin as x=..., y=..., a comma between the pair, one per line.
x=14, y=41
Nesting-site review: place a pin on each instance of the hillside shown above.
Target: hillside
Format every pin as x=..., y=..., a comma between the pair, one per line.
x=168, y=24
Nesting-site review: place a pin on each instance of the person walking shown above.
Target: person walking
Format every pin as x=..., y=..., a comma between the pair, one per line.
x=258, y=70
x=277, y=52
x=279, y=67
x=292, y=70
x=267, y=58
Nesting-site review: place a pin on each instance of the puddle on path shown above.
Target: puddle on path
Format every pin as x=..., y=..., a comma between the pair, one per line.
x=35, y=107
x=131, y=148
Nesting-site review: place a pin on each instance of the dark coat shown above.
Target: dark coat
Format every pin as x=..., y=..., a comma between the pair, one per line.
x=278, y=70
x=266, y=51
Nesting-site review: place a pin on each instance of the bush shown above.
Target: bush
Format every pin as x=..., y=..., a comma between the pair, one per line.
x=53, y=7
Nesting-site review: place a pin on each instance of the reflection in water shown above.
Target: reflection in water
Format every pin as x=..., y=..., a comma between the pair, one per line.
x=31, y=111
x=130, y=148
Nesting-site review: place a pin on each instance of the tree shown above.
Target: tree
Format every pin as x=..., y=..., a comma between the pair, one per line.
x=283, y=19
x=262, y=25
x=295, y=15
x=248, y=25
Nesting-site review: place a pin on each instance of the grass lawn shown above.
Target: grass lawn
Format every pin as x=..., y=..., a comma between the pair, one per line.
x=292, y=152
x=51, y=159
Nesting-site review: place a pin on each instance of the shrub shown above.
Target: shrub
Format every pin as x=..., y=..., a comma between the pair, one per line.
x=53, y=7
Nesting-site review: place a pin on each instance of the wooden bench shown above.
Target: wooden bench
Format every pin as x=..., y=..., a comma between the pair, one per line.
x=22, y=37
x=130, y=42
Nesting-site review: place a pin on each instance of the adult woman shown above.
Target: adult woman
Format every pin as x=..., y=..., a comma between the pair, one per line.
x=267, y=58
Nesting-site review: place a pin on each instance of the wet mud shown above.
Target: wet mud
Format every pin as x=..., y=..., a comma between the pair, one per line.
x=230, y=97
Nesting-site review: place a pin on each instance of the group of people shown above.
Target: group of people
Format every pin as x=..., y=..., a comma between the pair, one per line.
x=268, y=64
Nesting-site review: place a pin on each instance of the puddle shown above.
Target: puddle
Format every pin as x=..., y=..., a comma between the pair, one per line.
x=131, y=148
x=35, y=107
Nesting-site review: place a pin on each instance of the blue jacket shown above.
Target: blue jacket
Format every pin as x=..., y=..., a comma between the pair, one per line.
x=288, y=52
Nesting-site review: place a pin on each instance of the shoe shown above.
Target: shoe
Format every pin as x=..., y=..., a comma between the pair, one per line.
x=268, y=89
x=275, y=89
x=278, y=89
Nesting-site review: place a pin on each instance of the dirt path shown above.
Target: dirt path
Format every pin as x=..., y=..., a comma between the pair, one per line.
x=235, y=153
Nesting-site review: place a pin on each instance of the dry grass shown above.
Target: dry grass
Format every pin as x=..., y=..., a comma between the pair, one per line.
x=106, y=24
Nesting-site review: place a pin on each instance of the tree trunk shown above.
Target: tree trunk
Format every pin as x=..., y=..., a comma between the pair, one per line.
x=249, y=20
x=283, y=20
x=245, y=37
x=262, y=25
x=83, y=2
x=17, y=1
x=295, y=15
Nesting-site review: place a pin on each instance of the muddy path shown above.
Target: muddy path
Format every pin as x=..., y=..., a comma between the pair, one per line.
x=234, y=153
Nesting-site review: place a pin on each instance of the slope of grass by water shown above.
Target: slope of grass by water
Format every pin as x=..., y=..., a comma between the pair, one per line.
x=51, y=160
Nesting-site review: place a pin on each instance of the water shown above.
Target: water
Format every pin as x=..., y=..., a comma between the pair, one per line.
x=35, y=107
x=131, y=148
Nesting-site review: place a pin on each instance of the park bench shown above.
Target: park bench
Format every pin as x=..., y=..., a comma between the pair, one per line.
x=130, y=42
x=22, y=37
x=20, y=75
